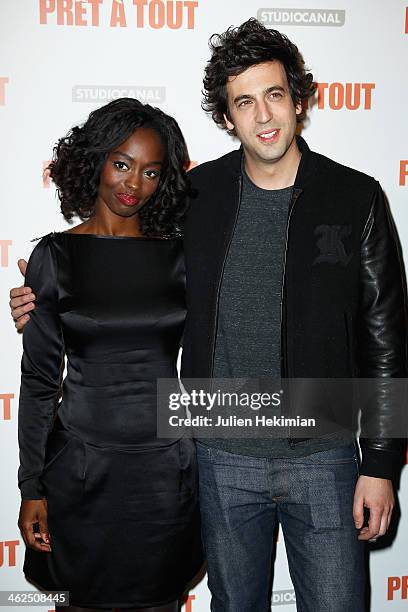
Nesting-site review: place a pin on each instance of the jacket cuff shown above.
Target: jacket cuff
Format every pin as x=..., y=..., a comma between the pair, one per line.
x=380, y=463
x=32, y=489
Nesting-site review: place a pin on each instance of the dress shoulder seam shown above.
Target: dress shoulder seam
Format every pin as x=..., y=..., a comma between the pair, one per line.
x=50, y=235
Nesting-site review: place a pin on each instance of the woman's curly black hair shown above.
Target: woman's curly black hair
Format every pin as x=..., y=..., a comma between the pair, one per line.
x=240, y=48
x=79, y=157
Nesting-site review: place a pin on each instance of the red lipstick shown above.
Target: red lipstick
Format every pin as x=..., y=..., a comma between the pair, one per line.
x=127, y=199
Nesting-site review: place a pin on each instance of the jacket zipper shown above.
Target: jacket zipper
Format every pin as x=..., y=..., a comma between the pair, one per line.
x=215, y=327
x=295, y=196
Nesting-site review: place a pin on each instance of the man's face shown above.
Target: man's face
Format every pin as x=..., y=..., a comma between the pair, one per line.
x=262, y=112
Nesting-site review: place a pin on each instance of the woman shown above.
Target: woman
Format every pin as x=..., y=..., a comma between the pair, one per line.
x=120, y=503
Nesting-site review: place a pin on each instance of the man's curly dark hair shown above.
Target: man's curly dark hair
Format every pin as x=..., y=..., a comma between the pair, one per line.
x=79, y=157
x=239, y=48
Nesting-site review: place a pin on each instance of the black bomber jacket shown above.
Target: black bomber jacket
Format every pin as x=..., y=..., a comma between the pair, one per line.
x=343, y=287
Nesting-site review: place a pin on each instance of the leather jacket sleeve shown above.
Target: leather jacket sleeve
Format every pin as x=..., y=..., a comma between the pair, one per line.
x=382, y=342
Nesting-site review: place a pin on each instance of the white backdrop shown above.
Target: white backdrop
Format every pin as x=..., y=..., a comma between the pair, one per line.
x=60, y=59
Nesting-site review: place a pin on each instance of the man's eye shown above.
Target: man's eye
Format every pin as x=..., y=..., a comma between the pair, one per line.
x=276, y=95
x=244, y=103
x=152, y=173
x=120, y=165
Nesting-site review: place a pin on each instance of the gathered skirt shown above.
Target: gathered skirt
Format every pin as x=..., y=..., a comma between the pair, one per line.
x=124, y=523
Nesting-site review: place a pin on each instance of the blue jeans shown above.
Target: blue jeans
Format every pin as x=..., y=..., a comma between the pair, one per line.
x=241, y=499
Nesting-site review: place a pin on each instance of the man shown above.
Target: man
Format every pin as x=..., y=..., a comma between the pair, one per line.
x=269, y=295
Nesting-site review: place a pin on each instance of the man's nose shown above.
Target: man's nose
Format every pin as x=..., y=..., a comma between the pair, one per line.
x=263, y=112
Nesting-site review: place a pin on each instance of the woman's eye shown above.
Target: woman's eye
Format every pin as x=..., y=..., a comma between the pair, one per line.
x=120, y=165
x=152, y=173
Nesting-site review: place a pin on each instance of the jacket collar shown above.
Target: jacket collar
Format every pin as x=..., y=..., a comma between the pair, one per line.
x=307, y=163
x=305, y=170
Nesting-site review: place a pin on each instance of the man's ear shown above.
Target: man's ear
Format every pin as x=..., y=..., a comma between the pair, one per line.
x=228, y=123
x=298, y=108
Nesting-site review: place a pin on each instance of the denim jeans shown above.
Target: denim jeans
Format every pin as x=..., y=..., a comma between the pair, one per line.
x=241, y=499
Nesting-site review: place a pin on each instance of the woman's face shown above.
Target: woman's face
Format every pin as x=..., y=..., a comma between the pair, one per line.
x=131, y=173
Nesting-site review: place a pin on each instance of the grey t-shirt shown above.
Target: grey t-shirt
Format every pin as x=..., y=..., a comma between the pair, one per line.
x=248, y=332
x=249, y=315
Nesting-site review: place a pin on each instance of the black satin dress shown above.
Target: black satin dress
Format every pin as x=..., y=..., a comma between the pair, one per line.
x=122, y=504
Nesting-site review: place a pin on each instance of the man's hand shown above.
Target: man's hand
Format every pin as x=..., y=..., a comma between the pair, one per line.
x=34, y=511
x=21, y=300
x=377, y=495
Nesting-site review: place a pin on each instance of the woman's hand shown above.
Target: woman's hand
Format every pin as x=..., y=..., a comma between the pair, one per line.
x=34, y=511
x=21, y=300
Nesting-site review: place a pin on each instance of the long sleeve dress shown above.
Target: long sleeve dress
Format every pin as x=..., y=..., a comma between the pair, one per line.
x=122, y=504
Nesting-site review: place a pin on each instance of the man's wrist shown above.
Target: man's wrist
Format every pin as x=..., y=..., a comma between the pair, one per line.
x=379, y=463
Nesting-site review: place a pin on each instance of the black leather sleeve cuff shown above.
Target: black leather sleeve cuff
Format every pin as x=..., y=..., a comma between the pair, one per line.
x=380, y=463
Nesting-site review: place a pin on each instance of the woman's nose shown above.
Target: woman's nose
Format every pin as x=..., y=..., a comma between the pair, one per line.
x=132, y=180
